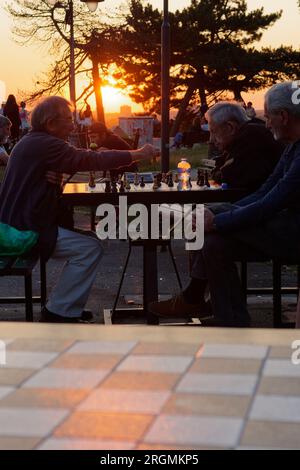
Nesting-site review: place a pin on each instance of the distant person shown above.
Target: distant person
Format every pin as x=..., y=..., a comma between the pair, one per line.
x=103, y=138
x=248, y=151
x=87, y=116
x=250, y=111
x=2, y=108
x=24, y=116
x=11, y=110
x=5, y=126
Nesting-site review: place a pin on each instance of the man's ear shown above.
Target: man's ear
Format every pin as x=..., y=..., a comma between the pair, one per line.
x=285, y=117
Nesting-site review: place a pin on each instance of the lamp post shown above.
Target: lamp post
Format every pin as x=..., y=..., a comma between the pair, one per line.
x=69, y=7
x=165, y=88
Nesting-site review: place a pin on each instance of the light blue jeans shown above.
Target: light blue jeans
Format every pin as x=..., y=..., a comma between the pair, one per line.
x=82, y=254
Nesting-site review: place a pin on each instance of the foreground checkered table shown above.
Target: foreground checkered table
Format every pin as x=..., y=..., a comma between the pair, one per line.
x=131, y=387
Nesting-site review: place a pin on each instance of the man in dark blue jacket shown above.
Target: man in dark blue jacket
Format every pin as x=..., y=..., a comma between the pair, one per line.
x=264, y=223
x=29, y=201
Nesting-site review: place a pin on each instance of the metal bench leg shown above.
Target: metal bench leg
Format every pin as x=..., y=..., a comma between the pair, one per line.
x=122, y=279
x=244, y=277
x=43, y=278
x=174, y=264
x=28, y=297
x=277, y=320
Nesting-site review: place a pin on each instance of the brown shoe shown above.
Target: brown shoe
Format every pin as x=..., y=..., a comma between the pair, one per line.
x=177, y=307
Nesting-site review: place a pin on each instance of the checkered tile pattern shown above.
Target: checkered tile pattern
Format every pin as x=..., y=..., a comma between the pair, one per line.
x=65, y=394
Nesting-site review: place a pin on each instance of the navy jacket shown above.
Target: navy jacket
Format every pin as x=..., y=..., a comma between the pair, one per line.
x=27, y=200
x=281, y=192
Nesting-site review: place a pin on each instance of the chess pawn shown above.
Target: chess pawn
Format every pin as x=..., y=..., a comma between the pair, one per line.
x=122, y=189
x=201, y=179
x=158, y=177
x=176, y=179
x=170, y=180
x=142, y=184
x=206, y=182
x=127, y=186
x=107, y=186
x=136, y=179
x=114, y=188
x=92, y=183
x=155, y=183
x=190, y=182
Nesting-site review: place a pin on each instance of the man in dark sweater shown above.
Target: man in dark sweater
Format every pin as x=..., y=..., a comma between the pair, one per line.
x=28, y=201
x=265, y=223
x=249, y=152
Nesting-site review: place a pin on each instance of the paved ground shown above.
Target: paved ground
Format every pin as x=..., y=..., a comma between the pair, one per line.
x=105, y=287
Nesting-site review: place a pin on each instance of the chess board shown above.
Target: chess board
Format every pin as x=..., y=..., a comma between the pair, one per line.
x=100, y=188
x=99, y=387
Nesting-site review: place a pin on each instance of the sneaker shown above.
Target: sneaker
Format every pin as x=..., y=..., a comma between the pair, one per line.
x=49, y=317
x=177, y=307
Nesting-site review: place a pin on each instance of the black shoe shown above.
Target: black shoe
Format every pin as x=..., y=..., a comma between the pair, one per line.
x=87, y=317
x=49, y=317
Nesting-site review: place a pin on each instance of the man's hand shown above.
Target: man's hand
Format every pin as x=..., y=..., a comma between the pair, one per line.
x=55, y=178
x=209, y=217
x=147, y=152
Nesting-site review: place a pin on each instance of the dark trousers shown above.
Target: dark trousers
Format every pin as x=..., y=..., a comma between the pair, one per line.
x=216, y=262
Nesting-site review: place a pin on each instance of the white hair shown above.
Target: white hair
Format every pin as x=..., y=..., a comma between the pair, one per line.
x=284, y=96
x=227, y=111
x=52, y=107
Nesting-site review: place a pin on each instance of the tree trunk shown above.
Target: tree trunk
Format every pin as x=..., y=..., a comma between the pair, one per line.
x=97, y=90
x=183, y=105
x=202, y=93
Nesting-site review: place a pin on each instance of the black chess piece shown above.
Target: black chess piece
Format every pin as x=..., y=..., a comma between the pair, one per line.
x=159, y=179
x=107, y=186
x=92, y=183
x=206, y=180
x=114, y=188
x=142, y=184
x=201, y=179
x=170, y=180
x=122, y=189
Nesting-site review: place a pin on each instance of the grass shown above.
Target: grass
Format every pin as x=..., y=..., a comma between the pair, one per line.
x=194, y=156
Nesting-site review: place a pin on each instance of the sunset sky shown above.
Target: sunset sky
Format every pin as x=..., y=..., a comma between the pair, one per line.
x=21, y=65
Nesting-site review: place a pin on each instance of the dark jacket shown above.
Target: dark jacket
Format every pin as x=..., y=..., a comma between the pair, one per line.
x=250, y=159
x=280, y=195
x=27, y=200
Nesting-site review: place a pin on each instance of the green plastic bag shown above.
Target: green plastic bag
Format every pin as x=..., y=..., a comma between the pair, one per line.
x=14, y=242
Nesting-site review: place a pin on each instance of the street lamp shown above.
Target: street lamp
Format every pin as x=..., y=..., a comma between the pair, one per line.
x=69, y=7
x=165, y=89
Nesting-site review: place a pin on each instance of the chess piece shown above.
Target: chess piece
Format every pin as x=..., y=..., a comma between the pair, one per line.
x=136, y=179
x=119, y=179
x=206, y=182
x=198, y=176
x=170, y=180
x=163, y=178
x=155, y=183
x=107, y=186
x=159, y=178
x=92, y=183
x=190, y=182
x=108, y=174
x=122, y=189
x=127, y=186
x=142, y=184
x=176, y=179
x=201, y=179
x=114, y=188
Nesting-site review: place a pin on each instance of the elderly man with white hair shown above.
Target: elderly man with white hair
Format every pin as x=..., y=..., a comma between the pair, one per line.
x=249, y=152
x=30, y=202
x=265, y=223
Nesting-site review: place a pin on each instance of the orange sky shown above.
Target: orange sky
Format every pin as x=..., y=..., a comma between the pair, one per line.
x=21, y=65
